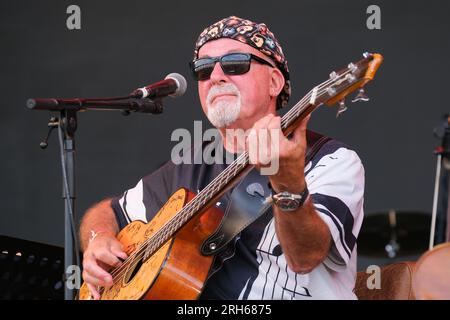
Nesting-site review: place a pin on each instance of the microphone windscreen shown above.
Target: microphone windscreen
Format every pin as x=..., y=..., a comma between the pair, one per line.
x=181, y=84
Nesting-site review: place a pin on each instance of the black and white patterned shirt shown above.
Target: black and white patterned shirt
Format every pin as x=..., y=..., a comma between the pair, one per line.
x=257, y=269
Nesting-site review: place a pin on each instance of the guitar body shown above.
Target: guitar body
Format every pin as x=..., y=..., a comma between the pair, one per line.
x=177, y=270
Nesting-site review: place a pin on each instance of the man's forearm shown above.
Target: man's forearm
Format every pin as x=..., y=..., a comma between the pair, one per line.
x=304, y=237
x=99, y=219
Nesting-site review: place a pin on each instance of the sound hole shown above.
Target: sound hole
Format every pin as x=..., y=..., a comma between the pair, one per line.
x=133, y=270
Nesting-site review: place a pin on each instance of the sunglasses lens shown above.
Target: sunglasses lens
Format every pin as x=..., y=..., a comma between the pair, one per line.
x=203, y=68
x=232, y=64
x=235, y=63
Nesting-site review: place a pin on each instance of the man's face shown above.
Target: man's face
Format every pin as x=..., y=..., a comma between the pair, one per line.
x=236, y=101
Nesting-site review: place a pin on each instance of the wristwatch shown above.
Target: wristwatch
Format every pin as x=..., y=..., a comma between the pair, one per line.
x=287, y=201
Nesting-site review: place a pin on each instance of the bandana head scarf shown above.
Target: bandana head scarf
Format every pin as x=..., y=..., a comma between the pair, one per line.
x=256, y=35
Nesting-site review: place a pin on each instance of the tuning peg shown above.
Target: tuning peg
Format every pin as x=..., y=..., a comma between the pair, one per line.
x=342, y=108
x=361, y=96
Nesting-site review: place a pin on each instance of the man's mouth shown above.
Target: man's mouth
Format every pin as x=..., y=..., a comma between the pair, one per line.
x=222, y=95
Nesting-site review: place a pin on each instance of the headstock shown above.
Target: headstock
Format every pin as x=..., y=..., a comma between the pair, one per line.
x=335, y=89
x=350, y=79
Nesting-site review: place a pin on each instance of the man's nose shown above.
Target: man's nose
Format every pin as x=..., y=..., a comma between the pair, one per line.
x=217, y=75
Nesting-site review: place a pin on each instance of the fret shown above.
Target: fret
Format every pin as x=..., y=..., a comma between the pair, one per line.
x=235, y=170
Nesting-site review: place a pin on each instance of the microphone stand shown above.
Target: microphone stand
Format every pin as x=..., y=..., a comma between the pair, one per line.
x=136, y=105
x=440, y=218
x=67, y=126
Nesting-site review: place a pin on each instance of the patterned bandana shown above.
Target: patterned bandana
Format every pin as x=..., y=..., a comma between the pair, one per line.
x=256, y=35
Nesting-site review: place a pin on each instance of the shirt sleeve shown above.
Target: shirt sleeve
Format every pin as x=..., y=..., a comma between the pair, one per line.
x=144, y=200
x=336, y=185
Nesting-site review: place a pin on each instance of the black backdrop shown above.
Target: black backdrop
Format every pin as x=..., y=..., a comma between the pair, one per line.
x=123, y=45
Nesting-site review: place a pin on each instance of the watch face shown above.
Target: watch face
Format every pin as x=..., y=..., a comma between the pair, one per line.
x=287, y=204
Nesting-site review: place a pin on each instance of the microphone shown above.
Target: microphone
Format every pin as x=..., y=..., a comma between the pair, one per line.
x=173, y=85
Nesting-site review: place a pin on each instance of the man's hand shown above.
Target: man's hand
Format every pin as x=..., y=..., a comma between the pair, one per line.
x=304, y=237
x=102, y=253
x=289, y=154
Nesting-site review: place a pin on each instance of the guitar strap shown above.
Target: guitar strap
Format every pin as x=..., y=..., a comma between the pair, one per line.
x=247, y=202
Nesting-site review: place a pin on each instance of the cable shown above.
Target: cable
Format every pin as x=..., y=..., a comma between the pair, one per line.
x=67, y=197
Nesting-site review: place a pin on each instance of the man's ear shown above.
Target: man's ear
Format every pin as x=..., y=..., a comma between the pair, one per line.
x=276, y=82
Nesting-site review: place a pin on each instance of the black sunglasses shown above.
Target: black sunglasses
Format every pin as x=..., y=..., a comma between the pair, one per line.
x=231, y=64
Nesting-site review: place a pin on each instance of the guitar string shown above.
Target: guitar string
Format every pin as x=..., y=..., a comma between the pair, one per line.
x=294, y=112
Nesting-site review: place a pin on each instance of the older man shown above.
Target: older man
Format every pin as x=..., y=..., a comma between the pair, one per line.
x=304, y=251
